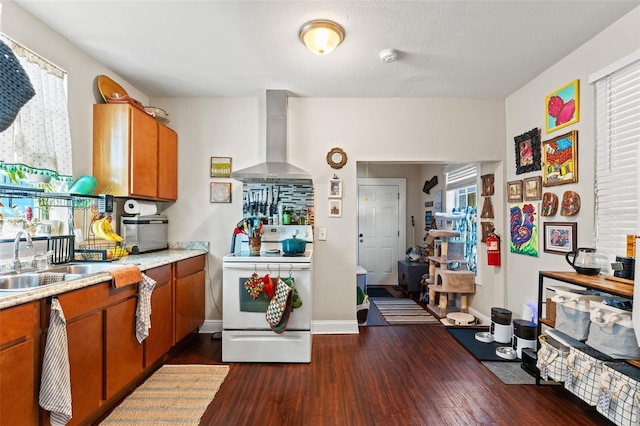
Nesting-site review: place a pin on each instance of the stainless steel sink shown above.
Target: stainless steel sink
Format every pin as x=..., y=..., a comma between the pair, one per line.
x=83, y=268
x=19, y=281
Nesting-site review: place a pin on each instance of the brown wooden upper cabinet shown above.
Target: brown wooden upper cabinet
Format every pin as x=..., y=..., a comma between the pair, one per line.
x=133, y=154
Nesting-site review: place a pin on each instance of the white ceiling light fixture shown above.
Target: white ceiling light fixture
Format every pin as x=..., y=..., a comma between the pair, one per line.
x=321, y=36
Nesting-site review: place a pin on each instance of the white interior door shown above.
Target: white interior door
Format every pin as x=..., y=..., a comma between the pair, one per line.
x=380, y=228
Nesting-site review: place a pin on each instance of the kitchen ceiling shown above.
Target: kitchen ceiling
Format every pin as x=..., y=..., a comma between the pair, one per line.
x=475, y=49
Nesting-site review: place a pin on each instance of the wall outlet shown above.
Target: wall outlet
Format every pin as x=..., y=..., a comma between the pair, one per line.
x=322, y=234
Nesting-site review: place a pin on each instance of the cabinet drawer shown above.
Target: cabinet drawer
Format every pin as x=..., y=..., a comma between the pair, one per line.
x=18, y=322
x=82, y=301
x=189, y=266
x=162, y=275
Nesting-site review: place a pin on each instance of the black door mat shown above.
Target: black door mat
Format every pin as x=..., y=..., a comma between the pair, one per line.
x=482, y=351
x=378, y=292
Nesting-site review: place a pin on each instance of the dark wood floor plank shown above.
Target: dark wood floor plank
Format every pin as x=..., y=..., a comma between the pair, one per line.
x=393, y=375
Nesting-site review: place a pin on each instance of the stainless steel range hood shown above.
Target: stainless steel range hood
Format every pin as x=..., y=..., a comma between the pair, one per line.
x=276, y=169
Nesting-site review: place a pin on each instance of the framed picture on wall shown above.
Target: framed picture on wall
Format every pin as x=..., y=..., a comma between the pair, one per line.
x=514, y=191
x=335, y=188
x=335, y=208
x=560, y=237
x=220, y=167
x=220, y=192
x=560, y=159
x=532, y=188
x=527, y=149
x=562, y=106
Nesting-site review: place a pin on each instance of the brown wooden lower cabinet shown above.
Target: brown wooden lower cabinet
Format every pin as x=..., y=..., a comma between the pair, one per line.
x=105, y=358
x=85, y=341
x=160, y=337
x=123, y=360
x=190, y=296
x=19, y=338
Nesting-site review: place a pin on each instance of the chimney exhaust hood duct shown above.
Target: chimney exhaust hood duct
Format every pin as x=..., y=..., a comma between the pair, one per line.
x=276, y=169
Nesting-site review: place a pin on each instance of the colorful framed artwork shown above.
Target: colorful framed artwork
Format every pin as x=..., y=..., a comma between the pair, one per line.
x=560, y=237
x=335, y=208
x=523, y=221
x=527, y=149
x=220, y=167
x=562, y=107
x=532, y=188
x=560, y=159
x=514, y=191
x=220, y=192
x=335, y=188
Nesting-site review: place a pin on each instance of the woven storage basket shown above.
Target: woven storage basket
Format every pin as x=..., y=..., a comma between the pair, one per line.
x=552, y=359
x=612, y=333
x=15, y=86
x=584, y=367
x=620, y=393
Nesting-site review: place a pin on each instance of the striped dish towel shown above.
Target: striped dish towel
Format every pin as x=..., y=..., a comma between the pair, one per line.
x=55, y=383
x=143, y=309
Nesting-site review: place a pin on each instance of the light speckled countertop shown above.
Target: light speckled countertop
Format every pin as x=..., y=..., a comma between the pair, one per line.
x=176, y=252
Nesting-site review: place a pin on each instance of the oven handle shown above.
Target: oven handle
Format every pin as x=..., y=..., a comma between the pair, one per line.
x=282, y=266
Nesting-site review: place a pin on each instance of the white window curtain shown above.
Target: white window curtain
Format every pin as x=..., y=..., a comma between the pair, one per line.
x=39, y=140
x=617, y=115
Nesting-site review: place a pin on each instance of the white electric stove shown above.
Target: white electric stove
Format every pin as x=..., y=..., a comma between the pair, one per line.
x=246, y=335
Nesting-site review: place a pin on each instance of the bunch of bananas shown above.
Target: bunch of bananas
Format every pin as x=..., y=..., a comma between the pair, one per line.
x=101, y=228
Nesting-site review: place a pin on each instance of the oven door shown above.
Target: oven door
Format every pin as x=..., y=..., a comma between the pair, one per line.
x=242, y=312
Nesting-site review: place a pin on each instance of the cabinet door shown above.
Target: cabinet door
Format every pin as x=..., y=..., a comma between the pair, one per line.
x=111, y=124
x=123, y=352
x=144, y=154
x=167, y=163
x=190, y=303
x=18, y=404
x=85, y=342
x=160, y=336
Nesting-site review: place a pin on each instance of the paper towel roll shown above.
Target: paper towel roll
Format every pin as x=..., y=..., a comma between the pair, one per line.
x=143, y=208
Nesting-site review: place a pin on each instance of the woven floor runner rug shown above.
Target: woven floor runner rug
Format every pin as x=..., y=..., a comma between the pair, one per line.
x=398, y=311
x=173, y=395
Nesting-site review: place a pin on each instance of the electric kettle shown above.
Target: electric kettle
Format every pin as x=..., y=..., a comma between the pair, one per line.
x=585, y=261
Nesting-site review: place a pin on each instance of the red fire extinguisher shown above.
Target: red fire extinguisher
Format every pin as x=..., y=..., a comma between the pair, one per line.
x=493, y=250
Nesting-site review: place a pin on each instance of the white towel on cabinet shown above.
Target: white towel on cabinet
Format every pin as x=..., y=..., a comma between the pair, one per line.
x=55, y=383
x=143, y=309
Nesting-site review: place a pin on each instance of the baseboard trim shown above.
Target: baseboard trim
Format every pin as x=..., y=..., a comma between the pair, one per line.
x=317, y=327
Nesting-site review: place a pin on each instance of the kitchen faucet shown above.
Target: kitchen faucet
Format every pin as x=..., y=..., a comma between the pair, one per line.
x=16, y=247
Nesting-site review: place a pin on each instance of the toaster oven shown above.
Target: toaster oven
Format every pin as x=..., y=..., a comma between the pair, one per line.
x=145, y=233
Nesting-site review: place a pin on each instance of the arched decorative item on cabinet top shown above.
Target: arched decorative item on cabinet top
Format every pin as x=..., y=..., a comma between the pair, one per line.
x=336, y=158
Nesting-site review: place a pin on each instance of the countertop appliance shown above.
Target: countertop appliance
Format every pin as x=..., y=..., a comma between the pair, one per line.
x=144, y=233
x=246, y=335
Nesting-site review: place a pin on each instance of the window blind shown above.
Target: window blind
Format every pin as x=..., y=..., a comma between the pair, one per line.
x=460, y=176
x=617, y=126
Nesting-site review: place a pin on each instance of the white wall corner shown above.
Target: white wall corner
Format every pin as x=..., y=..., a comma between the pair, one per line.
x=211, y=326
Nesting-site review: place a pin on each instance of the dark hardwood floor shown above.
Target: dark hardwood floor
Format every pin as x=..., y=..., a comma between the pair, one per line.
x=394, y=375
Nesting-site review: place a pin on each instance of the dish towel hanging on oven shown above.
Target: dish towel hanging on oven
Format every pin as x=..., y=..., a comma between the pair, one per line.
x=143, y=309
x=55, y=383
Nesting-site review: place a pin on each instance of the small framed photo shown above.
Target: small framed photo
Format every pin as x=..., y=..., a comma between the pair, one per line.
x=514, y=191
x=527, y=151
x=560, y=237
x=532, y=188
x=220, y=167
x=220, y=192
x=560, y=159
x=335, y=208
x=562, y=107
x=335, y=188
